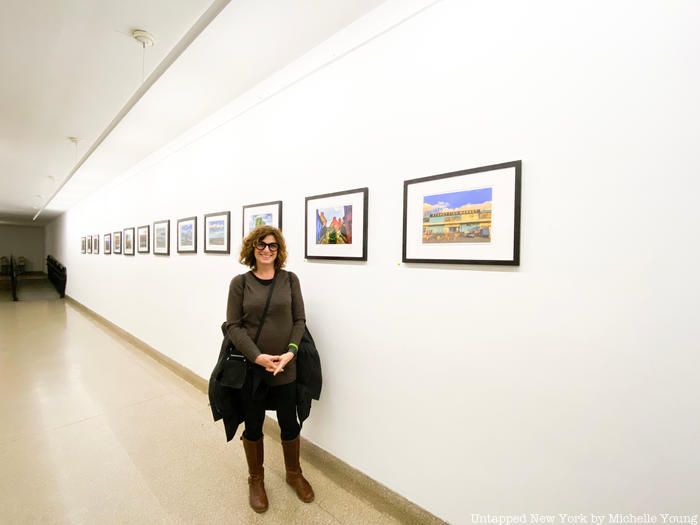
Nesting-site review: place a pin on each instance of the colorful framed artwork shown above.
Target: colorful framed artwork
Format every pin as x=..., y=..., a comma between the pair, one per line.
x=264, y=214
x=217, y=232
x=95, y=244
x=161, y=237
x=129, y=241
x=117, y=241
x=187, y=235
x=464, y=217
x=108, y=243
x=83, y=247
x=336, y=225
x=143, y=235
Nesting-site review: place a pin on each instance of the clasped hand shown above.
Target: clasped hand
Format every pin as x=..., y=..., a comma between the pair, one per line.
x=274, y=363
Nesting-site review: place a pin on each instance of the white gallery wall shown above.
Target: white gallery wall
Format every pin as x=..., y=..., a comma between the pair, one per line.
x=567, y=384
x=24, y=241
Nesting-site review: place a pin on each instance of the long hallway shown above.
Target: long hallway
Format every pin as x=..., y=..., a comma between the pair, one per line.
x=94, y=431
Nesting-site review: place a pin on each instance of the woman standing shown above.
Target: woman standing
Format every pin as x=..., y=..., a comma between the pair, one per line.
x=273, y=382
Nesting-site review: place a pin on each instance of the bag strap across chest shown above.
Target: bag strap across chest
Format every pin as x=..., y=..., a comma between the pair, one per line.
x=267, y=306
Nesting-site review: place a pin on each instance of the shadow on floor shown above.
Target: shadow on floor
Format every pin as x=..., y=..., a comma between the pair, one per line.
x=33, y=288
x=5, y=289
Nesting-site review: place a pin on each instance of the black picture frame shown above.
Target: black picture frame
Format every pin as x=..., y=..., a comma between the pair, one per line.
x=187, y=235
x=107, y=239
x=96, y=244
x=216, y=241
x=143, y=239
x=471, y=232
x=129, y=241
x=83, y=245
x=272, y=211
x=321, y=242
x=117, y=243
x=161, y=237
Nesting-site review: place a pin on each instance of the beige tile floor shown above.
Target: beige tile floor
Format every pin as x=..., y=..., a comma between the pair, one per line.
x=94, y=431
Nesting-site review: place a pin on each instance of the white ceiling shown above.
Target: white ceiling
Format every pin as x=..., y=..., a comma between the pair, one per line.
x=69, y=67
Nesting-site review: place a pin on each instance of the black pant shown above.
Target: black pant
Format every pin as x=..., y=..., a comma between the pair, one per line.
x=284, y=397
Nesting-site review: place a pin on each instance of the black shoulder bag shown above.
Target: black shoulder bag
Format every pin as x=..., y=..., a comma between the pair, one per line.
x=235, y=365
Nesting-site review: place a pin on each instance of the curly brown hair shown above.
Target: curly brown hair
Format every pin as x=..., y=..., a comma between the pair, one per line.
x=258, y=234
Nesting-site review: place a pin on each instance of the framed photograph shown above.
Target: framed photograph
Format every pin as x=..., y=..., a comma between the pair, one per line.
x=336, y=226
x=117, y=238
x=95, y=244
x=217, y=232
x=187, y=235
x=129, y=241
x=464, y=217
x=108, y=243
x=161, y=237
x=264, y=214
x=88, y=240
x=83, y=248
x=143, y=235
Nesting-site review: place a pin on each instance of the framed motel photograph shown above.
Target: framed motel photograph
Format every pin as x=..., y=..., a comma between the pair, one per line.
x=217, y=232
x=187, y=235
x=161, y=237
x=264, y=214
x=464, y=217
x=108, y=243
x=117, y=241
x=95, y=244
x=143, y=235
x=129, y=241
x=336, y=226
x=83, y=248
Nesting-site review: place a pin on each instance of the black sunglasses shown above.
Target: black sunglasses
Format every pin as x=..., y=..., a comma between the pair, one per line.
x=260, y=245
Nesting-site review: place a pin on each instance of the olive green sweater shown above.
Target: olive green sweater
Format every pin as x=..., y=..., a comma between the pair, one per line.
x=284, y=323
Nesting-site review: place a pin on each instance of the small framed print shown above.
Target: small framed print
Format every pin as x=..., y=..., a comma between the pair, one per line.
x=187, y=235
x=95, y=244
x=336, y=226
x=143, y=234
x=161, y=237
x=464, y=217
x=129, y=241
x=264, y=214
x=217, y=232
x=117, y=239
x=88, y=240
x=108, y=243
x=83, y=247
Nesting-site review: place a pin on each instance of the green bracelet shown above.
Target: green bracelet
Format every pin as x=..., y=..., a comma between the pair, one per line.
x=293, y=348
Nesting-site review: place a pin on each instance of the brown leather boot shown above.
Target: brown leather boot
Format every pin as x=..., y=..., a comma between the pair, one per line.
x=294, y=475
x=254, y=454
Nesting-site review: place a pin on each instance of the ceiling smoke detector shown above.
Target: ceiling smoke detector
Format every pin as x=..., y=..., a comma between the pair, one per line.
x=144, y=38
